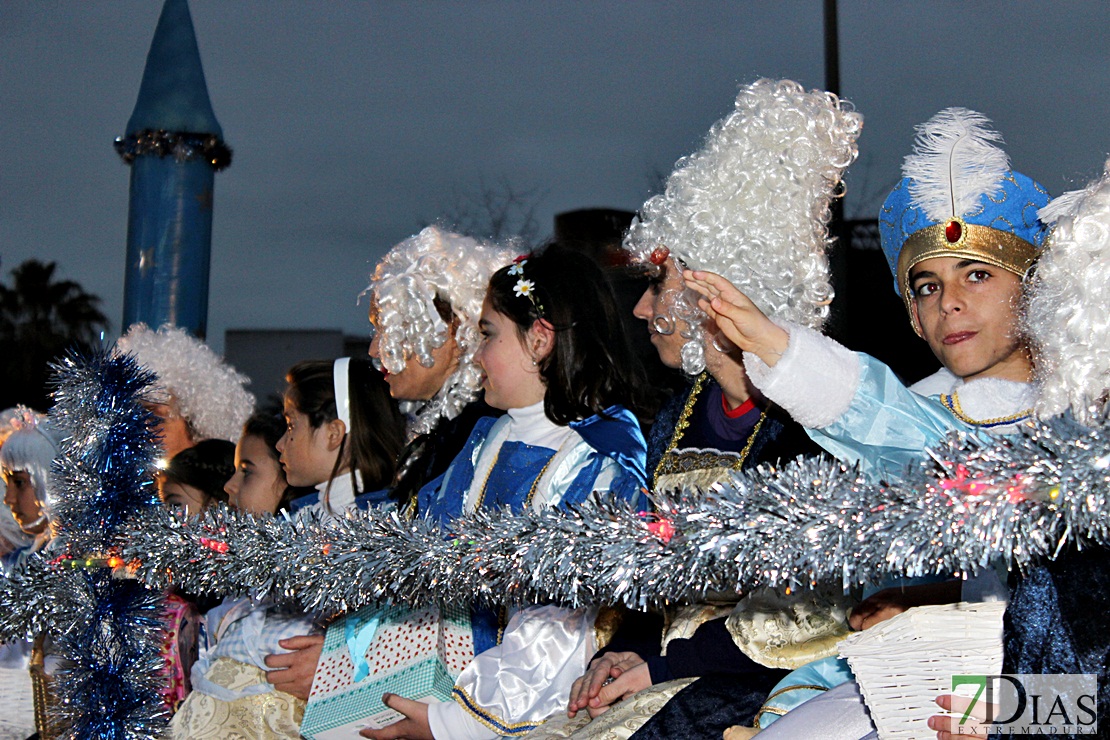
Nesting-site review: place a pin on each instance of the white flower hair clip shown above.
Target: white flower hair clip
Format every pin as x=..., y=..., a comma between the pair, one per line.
x=525, y=288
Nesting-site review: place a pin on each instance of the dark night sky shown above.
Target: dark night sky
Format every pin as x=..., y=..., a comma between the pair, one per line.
x=353, y=123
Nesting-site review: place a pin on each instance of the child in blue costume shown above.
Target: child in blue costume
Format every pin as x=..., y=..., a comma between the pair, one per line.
x=959, y=246
x=1056, y=620
x=555, y=356
x=343, y=434
x=25, y=460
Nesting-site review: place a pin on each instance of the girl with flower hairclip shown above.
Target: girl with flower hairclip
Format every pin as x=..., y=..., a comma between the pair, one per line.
x=555, y=356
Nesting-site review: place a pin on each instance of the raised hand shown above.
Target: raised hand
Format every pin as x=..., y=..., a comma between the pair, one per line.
x=737, y=317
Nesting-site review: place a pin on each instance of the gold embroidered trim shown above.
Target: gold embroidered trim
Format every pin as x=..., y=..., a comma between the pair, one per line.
x=609, y=620
x=778, y=711
x=680, y=427
x=490, y=720
x=482, y=493
x=672, y=462
x=952, y=403
x=531, y=491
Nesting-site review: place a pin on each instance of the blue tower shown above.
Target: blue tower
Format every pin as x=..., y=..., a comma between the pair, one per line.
x=174, y=146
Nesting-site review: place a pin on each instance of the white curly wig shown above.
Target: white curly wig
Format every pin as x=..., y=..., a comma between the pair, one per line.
x=753, y=204
x=454, y=268
x=1065, y=317
x=31, y=447
x=210, y=394
x=9, y=528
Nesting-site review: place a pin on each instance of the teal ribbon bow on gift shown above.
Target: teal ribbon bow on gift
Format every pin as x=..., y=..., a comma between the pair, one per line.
x=359, y=633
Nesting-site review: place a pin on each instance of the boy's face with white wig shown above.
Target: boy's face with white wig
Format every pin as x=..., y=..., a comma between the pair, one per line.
x=416, y=382
x=170, y=426
x=657, y=307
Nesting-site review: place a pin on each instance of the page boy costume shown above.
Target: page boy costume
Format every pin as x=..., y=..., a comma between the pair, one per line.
x=959, y=198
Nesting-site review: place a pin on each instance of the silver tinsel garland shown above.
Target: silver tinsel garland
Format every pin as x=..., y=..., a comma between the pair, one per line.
x=1012, y=500
x=31, y=599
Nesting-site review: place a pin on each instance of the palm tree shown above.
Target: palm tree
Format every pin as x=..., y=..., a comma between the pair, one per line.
x=40, y=318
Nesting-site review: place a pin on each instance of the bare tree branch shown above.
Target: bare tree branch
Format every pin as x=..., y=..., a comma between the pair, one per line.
x=498, y=211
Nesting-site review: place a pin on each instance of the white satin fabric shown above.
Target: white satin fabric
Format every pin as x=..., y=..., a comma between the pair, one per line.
x=528, y=676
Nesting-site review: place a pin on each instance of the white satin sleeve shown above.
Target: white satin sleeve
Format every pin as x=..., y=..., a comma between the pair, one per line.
x=449, y=721
x=514, y=686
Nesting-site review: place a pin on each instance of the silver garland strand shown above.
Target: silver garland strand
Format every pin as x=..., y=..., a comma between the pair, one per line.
x=31, y=603
x=972, y=502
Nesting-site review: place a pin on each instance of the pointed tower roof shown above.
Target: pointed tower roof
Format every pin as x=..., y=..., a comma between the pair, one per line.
x=173, y=95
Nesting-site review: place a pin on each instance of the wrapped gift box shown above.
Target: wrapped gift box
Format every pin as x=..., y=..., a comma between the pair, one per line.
x=415, y=653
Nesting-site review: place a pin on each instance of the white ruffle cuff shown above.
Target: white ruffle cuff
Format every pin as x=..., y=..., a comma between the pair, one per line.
x=814, y=381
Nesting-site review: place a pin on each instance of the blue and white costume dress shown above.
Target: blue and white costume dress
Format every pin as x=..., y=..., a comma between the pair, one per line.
x=523, y=460
x=857, y=409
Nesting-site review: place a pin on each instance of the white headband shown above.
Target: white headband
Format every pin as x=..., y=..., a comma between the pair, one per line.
x=340, y=378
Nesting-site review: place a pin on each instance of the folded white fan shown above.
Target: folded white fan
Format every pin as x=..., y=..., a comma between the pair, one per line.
x=903, y=664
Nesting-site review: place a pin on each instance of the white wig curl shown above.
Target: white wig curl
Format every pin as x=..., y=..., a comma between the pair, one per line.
x=31, y=448
x=9, y=528
x=1066, y=317
x=753, y=204
x=433, y=264
x=210, y=394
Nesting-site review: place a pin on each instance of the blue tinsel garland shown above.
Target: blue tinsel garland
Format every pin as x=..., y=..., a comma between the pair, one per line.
x=106, y=630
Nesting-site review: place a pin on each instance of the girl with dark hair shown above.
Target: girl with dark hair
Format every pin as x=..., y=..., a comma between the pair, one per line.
x=554, y=356
x=194, y=478
x=259, y=484
x=336, y=434
x=343, y=432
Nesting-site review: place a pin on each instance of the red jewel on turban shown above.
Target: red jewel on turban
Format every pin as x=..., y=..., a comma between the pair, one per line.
x=953, y=231
x=659, y=255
